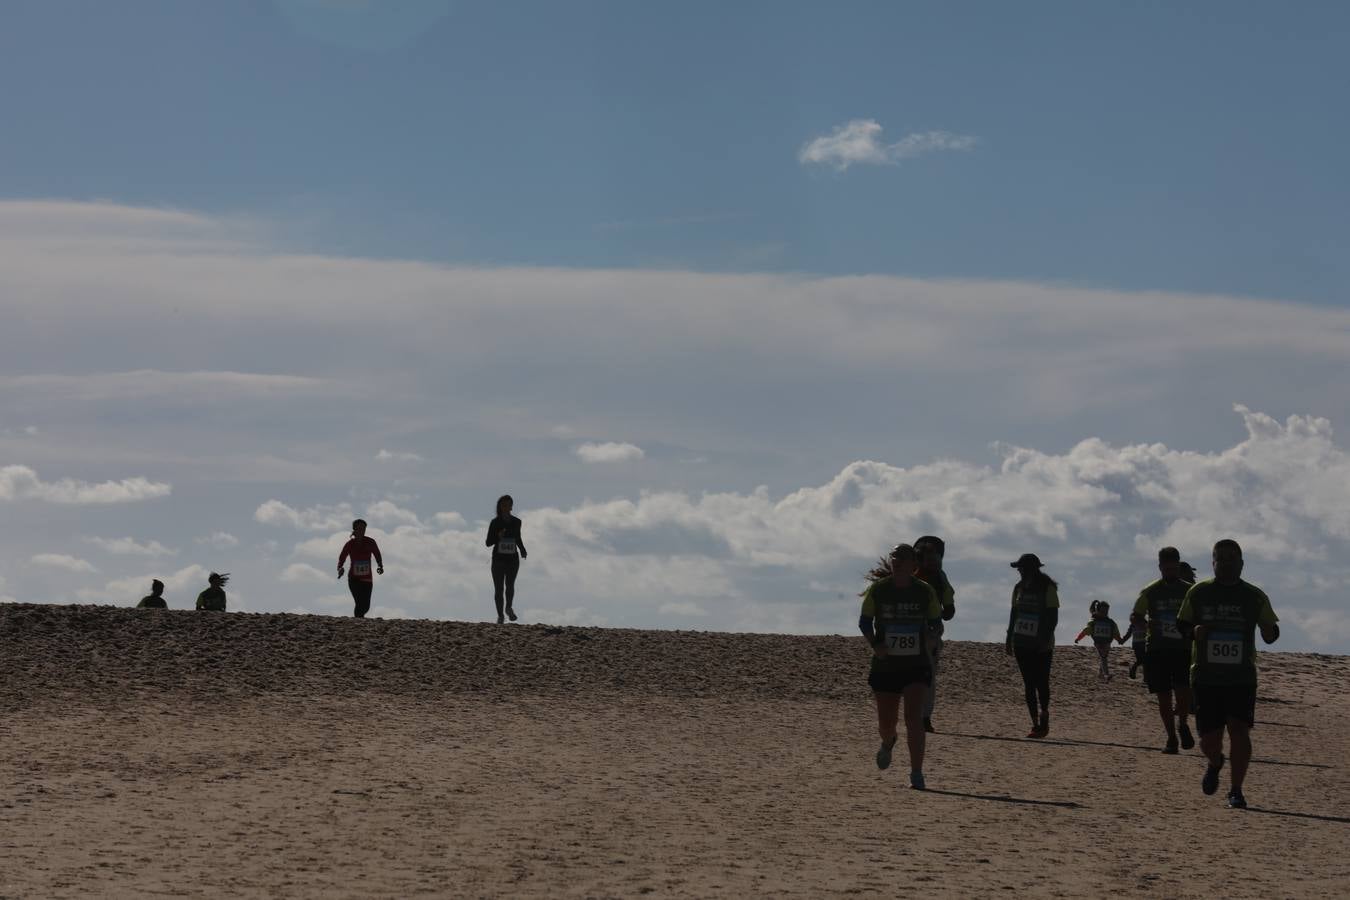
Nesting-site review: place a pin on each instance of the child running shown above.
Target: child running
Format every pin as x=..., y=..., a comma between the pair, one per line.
x=1103, y=630
x=1138, y=632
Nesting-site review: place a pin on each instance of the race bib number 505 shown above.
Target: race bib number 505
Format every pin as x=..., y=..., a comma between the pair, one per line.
x=1225, y=648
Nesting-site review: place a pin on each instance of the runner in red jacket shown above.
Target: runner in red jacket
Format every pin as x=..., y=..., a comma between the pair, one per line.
x=361, y=582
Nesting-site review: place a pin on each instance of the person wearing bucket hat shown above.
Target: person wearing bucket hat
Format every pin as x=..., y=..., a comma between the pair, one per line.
x=1031, y=637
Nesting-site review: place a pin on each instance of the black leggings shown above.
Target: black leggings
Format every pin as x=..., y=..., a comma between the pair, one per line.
x=1035, y=668
x=505, y=566
x=361, y=594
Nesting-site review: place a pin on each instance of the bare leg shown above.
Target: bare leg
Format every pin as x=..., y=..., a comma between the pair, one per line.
x=888, y=714
x=915, y=694
x=1211, y=744
x=1183, y=703
x=1239, y=751
x=1165, y=711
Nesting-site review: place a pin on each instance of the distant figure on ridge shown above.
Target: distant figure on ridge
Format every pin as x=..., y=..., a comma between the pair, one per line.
x=898, y=615
x=1223, y=615
x=503, y=535
x=360, y=582
x=931, y=550
x=1138, y=636
x=1104, y=630
x=1167, y=663
x=155, y=599
x=1031, y=636
x=213, y=598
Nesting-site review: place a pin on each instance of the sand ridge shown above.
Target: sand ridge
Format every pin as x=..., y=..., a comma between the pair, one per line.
x=185, y=753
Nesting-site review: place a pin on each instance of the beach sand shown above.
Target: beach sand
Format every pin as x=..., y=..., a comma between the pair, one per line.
x=150, y=753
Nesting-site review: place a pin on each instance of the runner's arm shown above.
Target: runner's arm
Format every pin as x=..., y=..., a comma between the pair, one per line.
x=492, y=533
x=520, y=542
x=379, y=560
x=1268, y=622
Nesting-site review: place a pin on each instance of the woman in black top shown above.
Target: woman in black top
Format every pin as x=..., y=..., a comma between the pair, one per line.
x=508, y=550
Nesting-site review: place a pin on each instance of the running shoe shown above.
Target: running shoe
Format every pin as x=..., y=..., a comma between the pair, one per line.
x=1235, y=799
x=916, y=781
x=1044, y=727
x=1187, y=739
x=928, y=726
x=1171, y=745
x=884, y=754
x=1134, y=669
x=1210, y=783
x=511, y=614
x=501, y=620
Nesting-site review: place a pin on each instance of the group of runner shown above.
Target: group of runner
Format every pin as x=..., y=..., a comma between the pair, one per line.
x=363, y=554
x=1198, y=654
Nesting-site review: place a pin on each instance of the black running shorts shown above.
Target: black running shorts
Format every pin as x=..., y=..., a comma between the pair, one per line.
x=1166, y=670
x=1215, y=705
x=896, y=682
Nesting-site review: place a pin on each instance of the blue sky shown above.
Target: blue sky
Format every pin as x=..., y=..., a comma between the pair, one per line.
x=717, y=290
x=1192, y=148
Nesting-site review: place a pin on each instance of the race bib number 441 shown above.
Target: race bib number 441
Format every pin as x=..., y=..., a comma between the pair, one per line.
x=1225, y=648
x=1027, y=625
x=902, y=640
x=360, y=569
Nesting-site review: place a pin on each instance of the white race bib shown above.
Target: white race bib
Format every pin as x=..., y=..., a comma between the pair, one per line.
x=506, y=545
x=361, y=568
x=1225, y=648
x=1167, y=627
x=902, y=640
x=1101, y=631
x=1028, y=624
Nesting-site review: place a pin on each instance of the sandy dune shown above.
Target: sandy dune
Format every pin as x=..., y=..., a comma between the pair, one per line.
x=177, y=753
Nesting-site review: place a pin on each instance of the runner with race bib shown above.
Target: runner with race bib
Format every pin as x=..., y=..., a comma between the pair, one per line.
x=360, y=581
x=1167, y=662
x=1031, y=637
x=1223, y=615
x=897, y=613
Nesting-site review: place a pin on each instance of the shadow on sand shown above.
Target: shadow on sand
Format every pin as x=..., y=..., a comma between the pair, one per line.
x=1075, y=742
x=1298, y=815
x=1000, y=798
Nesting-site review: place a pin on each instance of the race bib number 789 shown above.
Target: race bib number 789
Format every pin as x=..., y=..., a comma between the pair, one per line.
x=902, y=640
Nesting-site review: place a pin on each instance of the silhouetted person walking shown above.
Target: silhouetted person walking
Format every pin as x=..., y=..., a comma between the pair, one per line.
x=931, y=550
x=503, y=536
x=155, y=599
x=1167, y=661
x=213, y=598
x=360, y=581
x=1031, y=637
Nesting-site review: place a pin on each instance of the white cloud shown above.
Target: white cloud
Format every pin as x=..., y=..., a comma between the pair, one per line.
x=609, y=452
x=317, y=518
x=220, y=540
x=859, y=142
x=62, y=561
x=128, y=546
x=449, y=520
x=681, y=609
x=180, y=589
x=23, y=483
x=396, y=456
x=386, y=513
x=304, y=573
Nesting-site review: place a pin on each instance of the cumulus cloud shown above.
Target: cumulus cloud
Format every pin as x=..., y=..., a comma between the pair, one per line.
x=304, y=573
x=23, y=483
x=609, y=452
x=220, y=540
x=397, y=456
x=859, y=142
x=1096, y=513
x=62, y=561
x=128, y=546
x=316, y=518
x=180, y=589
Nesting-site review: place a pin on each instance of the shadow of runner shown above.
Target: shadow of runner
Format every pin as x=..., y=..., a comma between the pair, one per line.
x=1296, y=815
x=1073, y=742
x=1000, y=798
